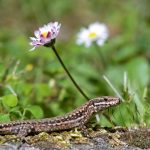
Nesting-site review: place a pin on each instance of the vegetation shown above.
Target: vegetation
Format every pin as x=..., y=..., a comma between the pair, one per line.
x=34, y=85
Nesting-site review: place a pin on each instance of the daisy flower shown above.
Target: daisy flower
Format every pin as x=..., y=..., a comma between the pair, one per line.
x=96, y=32
x=45, y=35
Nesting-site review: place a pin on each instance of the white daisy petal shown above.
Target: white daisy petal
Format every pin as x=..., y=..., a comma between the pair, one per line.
x=33, y=38
x=37, y=33
x=32, y=49
x=100, y=42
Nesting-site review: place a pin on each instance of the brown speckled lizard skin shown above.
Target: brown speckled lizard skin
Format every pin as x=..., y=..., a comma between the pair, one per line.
x=78, y=118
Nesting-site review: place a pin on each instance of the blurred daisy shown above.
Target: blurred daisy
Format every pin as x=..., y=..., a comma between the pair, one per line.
x=45, y=35
x=96, y=32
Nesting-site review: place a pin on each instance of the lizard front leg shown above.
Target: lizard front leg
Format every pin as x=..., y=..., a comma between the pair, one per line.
x=84, y=130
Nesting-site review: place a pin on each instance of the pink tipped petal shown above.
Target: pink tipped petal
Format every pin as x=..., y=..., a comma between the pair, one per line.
x=44, y=35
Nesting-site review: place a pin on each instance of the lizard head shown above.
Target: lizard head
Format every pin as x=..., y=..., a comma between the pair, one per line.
x=104, y=102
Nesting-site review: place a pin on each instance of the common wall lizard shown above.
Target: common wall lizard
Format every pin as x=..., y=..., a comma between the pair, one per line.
x=77, y=118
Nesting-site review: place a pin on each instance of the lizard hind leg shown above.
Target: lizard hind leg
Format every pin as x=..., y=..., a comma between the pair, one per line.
x=20, y=133
x=23, y=132
x=85, y=132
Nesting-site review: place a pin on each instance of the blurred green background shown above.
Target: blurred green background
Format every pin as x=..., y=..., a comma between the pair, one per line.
x=34, y=85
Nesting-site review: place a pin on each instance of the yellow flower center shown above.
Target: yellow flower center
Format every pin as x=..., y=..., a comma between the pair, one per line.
x=92, y=35
x=44, y=34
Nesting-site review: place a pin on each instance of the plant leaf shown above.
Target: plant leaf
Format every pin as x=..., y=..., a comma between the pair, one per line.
x=36, y=111
x=10, y=100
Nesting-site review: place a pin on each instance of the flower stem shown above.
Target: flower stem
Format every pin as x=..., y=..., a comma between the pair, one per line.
x=101, y=57
x=68, y=73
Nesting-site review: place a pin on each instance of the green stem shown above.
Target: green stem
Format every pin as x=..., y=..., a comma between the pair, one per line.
x=102, y=59
x=74, y=82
